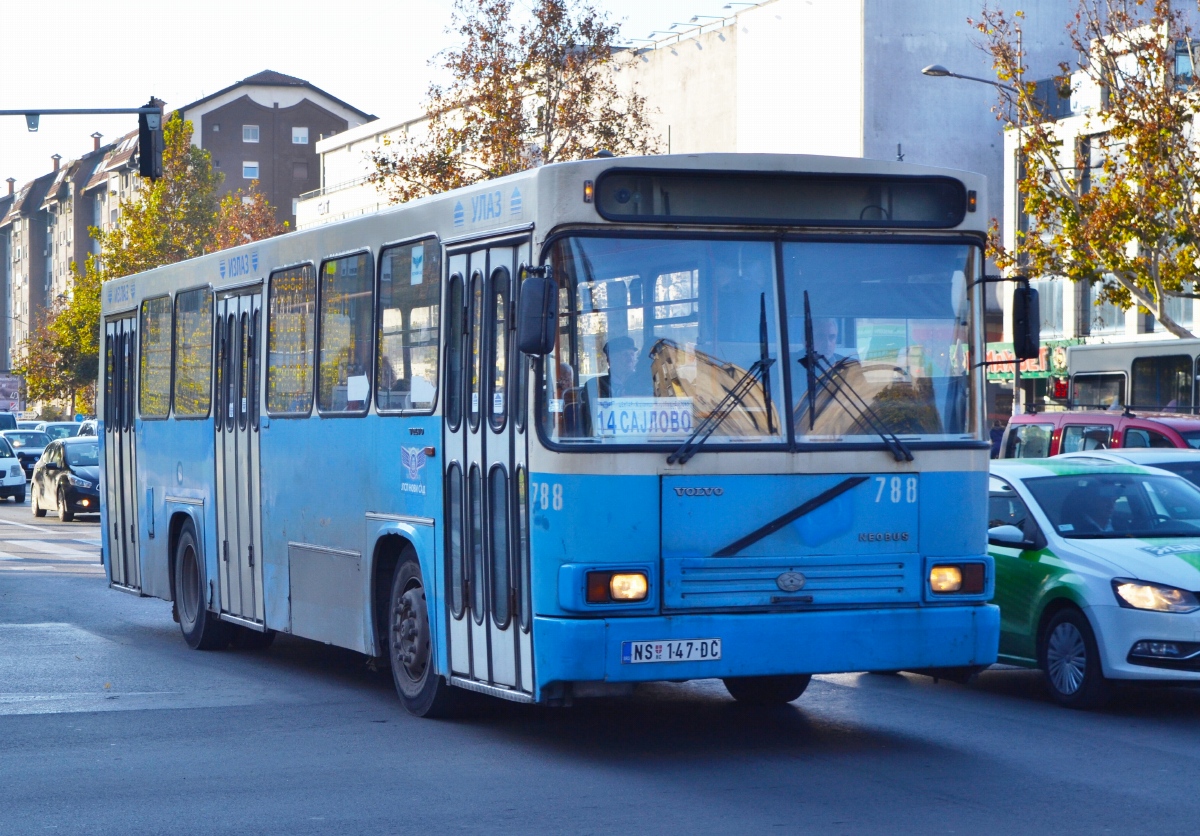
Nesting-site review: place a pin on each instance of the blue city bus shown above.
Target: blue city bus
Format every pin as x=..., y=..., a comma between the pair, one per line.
x=598, y=423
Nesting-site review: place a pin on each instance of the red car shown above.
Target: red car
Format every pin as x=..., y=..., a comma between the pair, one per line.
x=1050, y=433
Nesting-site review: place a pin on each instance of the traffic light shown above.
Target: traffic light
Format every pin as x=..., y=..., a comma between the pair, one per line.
x=150, y=142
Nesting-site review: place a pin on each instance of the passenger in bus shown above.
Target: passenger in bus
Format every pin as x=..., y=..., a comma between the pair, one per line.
x=623, y=377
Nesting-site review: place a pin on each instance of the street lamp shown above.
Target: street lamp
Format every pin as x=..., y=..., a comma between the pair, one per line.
x=938, y=71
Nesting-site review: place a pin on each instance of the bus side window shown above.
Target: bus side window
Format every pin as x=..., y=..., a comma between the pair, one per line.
x=193, y=353
x=346, y=299
x=409, y=318
x=154, y=356
x=291, y=325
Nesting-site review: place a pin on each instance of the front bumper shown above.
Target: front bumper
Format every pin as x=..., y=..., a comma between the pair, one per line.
x=82, y=500
x=763, y=644
x=1118, y=628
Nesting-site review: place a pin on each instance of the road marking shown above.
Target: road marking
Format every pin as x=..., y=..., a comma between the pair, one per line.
x=7, y=556
x=24, y=525
x=95, y=542
x=50, y=547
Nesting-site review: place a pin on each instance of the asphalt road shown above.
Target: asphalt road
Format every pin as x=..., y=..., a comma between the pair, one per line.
x=110, y=724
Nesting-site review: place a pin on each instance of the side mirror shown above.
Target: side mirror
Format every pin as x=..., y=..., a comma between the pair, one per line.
x=1026, y=323
x=537, y=316
x=1007, y=535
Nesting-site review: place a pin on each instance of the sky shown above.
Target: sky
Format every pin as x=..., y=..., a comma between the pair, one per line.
x=372, y=54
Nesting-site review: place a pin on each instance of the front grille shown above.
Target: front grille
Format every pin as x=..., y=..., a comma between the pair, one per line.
x=702, y=583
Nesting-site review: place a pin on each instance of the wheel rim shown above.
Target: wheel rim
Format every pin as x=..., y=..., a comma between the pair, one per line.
x=1066, y=658
x=410, y=629
x=190, y=594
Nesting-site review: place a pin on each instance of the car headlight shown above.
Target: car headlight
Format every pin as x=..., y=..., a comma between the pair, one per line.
x=77, y=482
x=1139, y=595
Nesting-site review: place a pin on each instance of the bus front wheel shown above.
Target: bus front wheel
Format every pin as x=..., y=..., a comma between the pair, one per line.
x=766, y=690
x=201, y=629
x=423, y=692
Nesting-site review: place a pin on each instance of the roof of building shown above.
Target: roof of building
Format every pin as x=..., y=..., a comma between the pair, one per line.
x=28, y=198
x=270, y=78
x=118, y=154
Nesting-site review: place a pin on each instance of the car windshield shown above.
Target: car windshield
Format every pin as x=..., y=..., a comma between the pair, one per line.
x=56, y=431
x=83, y=455
x=6, y=450
x=1118, y=505
x=21, y=439
x=1192, y=438
x=656, y=333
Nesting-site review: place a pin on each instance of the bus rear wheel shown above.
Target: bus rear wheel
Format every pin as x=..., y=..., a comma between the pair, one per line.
x=423, y=692
x=767, y=690
x=201, y=629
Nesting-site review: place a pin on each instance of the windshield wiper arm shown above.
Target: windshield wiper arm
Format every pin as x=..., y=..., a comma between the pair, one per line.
x=759, y=372
x=831, y=381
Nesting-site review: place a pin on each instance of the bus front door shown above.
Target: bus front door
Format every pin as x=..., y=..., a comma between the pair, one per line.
x=120, y=461
x=485, y=474
x=236, y=424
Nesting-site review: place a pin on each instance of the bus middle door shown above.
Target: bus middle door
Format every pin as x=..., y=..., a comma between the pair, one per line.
x=236, y=425
x=120, y=461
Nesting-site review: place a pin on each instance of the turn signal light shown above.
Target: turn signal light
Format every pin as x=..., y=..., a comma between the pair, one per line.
x=608, y=587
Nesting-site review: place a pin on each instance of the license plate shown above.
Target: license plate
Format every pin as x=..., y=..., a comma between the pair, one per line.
x=676, y=650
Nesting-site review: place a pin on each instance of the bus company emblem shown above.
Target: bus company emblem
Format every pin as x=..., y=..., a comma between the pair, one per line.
x=413, y=459
x=791, y=581
x=460, y=215
x=699, y=491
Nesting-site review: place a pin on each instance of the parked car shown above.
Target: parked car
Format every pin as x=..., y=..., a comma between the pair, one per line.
x=88, y=427
x=8, y=421
x=67, y=479
x=28, y=445
x=1185, y=463
x=1052, y=433
x=1096, y=572
x=59, y=429
x=12, y=475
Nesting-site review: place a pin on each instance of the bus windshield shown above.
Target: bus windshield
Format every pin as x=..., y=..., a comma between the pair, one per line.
x=656, y=335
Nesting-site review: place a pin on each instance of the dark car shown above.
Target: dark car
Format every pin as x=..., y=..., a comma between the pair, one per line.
x=28, y=445
x=59, y=429
x=8, y=421
x=67, y=477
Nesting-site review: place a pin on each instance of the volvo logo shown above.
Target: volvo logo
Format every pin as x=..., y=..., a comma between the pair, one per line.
x=791, y=581
x=699, y=491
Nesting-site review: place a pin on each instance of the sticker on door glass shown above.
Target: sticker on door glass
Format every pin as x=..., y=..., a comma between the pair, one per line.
x=417, y=273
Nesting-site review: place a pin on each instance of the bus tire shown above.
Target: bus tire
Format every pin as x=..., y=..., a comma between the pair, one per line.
x=423, y=692
x=1070, y=662
x=767, y=690
x=201, y=628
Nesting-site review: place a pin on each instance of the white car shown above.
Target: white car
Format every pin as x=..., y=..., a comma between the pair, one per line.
x=1097, y=573
x=1183, y=462
x=12, y=475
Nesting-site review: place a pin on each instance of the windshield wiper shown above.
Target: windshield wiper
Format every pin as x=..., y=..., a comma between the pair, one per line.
x=834, y=384
x=757, y=373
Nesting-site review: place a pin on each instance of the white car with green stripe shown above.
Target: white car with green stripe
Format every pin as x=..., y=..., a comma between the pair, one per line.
x=1097, y=573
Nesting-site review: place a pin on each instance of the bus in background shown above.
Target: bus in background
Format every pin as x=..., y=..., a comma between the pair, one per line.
x=1151, y=376
x=594, y=424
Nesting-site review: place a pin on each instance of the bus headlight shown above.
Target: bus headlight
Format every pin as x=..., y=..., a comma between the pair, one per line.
x=614, y=587
x=628, y=586
x=945, y=579
x=961, y=578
